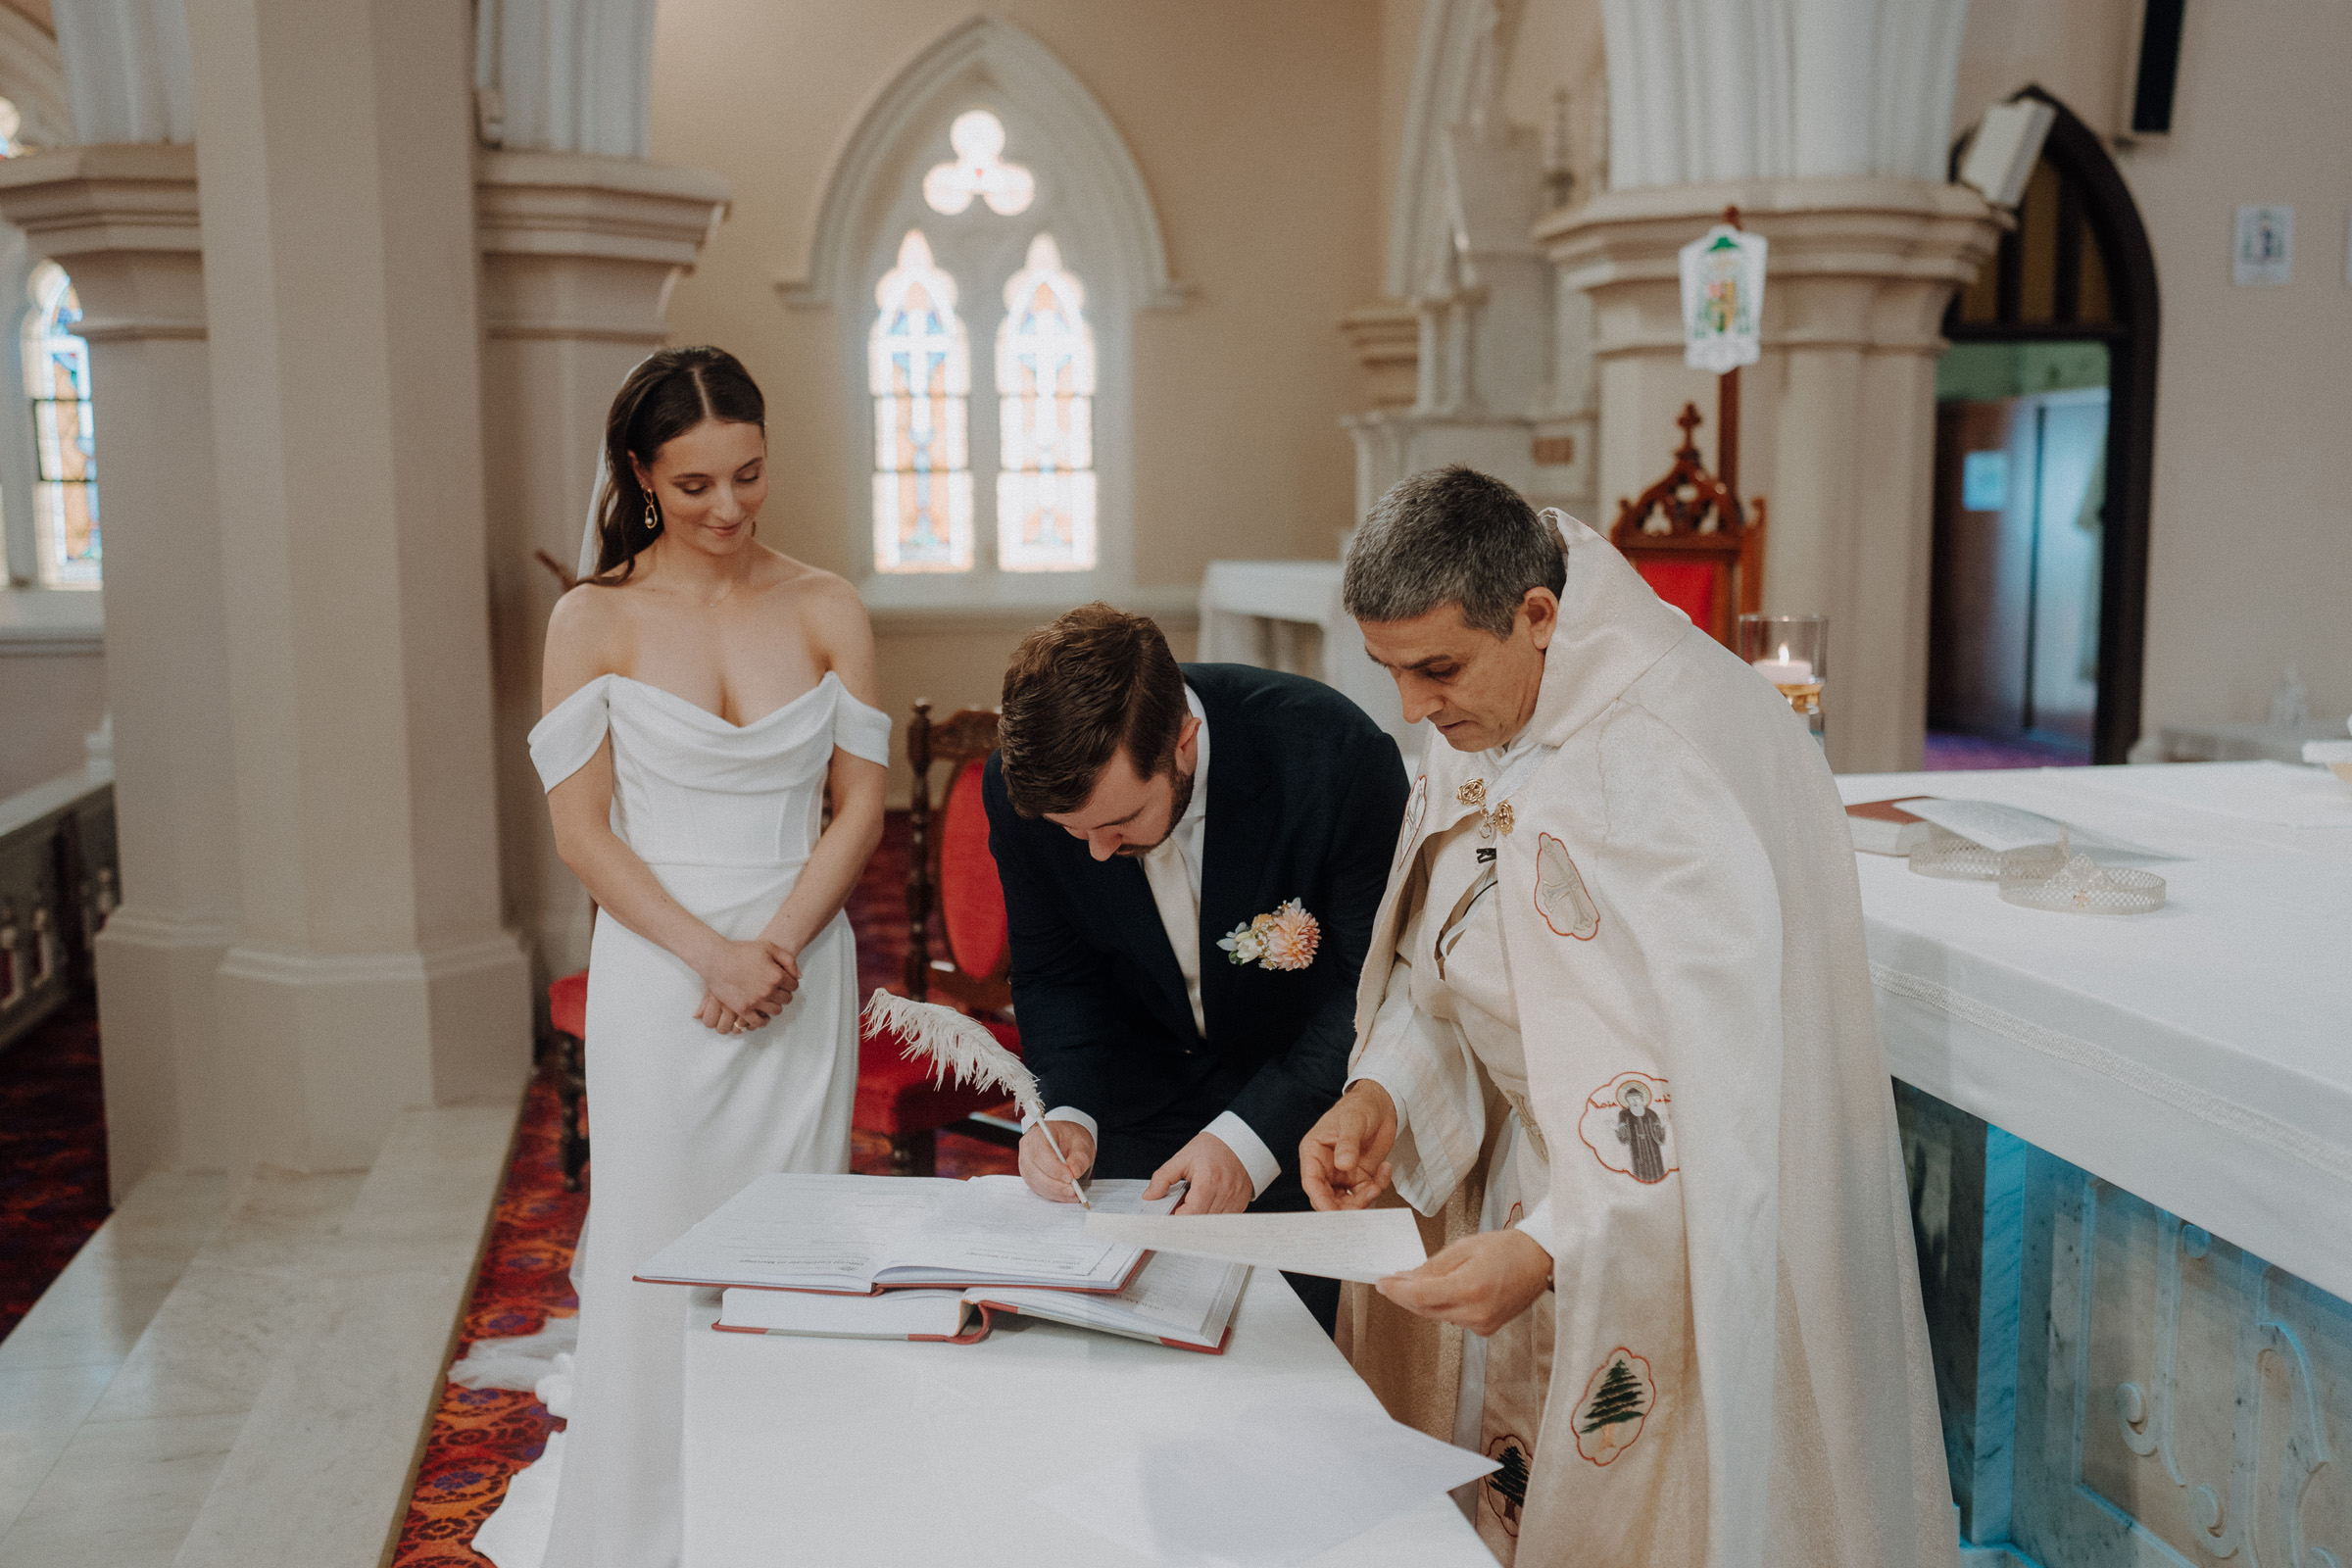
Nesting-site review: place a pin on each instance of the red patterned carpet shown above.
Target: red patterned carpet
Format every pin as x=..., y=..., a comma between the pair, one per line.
x=483, y=1435
x=52, y=1154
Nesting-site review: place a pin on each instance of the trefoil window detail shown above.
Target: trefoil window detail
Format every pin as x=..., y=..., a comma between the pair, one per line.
x=978, y=169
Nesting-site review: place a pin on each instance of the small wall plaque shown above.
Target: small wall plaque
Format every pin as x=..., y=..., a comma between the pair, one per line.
x=2265, y=255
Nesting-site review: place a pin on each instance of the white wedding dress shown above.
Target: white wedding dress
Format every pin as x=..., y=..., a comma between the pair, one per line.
x=682, y=1116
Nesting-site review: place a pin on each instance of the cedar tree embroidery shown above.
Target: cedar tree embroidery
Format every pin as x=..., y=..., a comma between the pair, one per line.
x=1286, y=939
x=1506, y=1487
x=1615, y=1407
x=1560, y=896
x=1624, y=1123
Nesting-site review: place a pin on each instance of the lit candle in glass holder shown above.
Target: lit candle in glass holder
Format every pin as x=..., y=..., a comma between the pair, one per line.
x=1792, y=653
x=1785, y=670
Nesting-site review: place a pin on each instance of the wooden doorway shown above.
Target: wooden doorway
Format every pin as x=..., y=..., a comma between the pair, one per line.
x=2045, y=448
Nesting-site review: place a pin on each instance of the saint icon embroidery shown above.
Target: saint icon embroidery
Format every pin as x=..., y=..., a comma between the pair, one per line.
x=1616, y=1407
x=1624, y=1123
x=1560, y=896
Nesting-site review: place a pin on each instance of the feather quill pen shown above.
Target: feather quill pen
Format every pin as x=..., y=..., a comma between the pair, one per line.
x=961, y=1049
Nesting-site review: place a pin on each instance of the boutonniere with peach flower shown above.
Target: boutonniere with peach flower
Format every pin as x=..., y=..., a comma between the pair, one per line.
x=1283, y=939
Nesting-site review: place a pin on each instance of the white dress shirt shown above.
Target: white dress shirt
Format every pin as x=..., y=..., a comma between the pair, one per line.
x=1173, y=870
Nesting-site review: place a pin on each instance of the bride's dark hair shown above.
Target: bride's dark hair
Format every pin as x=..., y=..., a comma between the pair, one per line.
x=665, y=397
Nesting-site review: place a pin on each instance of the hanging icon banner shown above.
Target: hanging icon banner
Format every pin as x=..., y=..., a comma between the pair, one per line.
x=1723, y=299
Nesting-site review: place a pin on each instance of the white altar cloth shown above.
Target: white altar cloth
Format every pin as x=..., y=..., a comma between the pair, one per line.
x=2199, y=1057
x=843, y=1453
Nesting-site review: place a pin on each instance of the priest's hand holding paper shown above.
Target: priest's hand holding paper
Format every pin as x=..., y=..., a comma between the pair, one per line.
x=1480, y=1282
x=1047, y=1175
x=1343, y=1159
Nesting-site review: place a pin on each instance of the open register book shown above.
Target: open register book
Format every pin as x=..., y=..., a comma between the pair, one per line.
x=1182, y=1302
x=855, y=1235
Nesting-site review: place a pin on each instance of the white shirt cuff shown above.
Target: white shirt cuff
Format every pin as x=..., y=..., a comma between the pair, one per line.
x=1395, y=1097
x=1536, y=1226
x=1066, y=1113
x=1255, y=1157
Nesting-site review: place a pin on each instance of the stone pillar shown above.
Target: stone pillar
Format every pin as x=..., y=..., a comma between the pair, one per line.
x=1838, y=428
x=578, y=255
x=371, y=970
x=123, y=221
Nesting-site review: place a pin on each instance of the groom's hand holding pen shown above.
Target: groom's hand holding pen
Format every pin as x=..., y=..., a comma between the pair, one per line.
x=1051, y=1175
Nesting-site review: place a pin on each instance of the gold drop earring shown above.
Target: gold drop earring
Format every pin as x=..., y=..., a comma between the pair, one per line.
x=652, y=518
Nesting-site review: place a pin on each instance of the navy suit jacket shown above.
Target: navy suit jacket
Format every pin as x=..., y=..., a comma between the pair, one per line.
x=1305, y=797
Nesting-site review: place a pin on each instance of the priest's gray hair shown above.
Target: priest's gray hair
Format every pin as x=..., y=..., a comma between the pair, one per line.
x=1451, y=536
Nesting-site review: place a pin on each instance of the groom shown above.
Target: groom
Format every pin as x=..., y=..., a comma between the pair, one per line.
x=1192, y=856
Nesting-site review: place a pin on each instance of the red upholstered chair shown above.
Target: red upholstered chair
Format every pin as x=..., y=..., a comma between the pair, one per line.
x=949, y=870
x=567, y=1020
x=1693, y=542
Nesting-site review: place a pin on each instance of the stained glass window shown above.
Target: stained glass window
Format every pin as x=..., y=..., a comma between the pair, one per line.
x=1046, y=394
x=978, y=169
x=57, y=377
x=919, y=368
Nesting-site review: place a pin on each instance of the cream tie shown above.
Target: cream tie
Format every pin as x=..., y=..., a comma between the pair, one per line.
x=1180, y=912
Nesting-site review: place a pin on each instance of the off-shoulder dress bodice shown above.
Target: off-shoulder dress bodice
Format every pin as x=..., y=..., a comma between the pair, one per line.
x=691, y=789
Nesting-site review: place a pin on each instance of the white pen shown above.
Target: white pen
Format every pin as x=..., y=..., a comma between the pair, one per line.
x=1055, y=1145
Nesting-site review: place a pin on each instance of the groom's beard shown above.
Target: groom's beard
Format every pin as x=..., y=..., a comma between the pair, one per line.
x=1177, y=806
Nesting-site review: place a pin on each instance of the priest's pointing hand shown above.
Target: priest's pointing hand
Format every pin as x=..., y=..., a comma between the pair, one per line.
x=1343, y=1159
x=1480, y=1282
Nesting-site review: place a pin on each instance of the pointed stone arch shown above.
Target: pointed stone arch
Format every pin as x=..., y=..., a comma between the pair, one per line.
x=989, y=55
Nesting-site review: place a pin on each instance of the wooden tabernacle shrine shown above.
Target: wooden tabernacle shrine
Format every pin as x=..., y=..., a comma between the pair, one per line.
x=1694, y=543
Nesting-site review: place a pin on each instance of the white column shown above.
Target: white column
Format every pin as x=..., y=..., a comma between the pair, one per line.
x=123, y=221
x=578, y=255
x=127, y=70
x=1826, y=123
x=564, y=75
x=371, y=970
x=1837, y=421
x=1776, y=89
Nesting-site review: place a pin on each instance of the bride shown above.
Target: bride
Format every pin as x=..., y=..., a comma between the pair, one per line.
x=702, y=693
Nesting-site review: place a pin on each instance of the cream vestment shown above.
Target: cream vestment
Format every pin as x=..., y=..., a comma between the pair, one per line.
x=1738, y=1371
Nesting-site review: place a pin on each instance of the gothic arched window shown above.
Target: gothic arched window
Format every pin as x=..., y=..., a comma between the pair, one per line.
x=1001, y=457
x=1045, y=420
x=56, y=379
x=919, y=368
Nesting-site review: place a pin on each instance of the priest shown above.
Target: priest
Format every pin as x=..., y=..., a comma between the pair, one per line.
x=1615, y=1038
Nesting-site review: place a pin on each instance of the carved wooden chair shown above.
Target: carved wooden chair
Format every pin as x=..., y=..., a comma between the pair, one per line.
x=1693, y=542
x=950, y=871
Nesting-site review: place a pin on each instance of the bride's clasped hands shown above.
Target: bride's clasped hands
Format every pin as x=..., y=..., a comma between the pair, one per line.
x=750, y=982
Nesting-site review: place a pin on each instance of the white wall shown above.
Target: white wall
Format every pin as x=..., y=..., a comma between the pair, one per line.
x=2250, y=554
x=48, y=702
